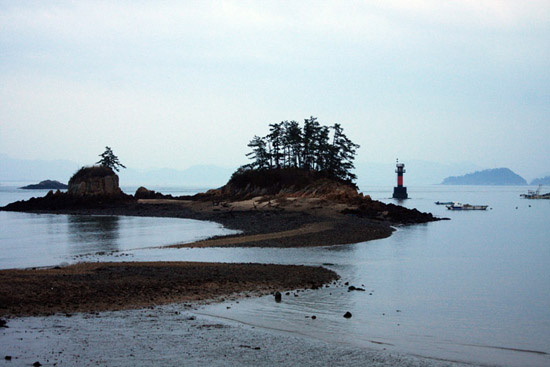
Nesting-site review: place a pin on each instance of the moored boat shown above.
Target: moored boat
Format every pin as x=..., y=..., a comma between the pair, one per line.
x=444, y=203
x=532, y=194
x=459, y=206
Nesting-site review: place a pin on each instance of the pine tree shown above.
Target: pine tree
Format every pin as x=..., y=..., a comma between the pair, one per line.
x=311, y=148
x=259, y=153
x=309, y=136
x=109, y=159
x=293, y=143
x=344, y=151
x=275, y=137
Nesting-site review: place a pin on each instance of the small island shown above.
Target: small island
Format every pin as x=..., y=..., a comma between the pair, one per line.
x=496, y=176
x=46, y=185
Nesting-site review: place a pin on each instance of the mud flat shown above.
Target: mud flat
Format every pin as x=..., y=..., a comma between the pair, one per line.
x=92, y=287
x=175, y=335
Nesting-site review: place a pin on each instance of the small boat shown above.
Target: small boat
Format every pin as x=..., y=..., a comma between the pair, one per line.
x=459, y=206
x=532, y=194
x=444, y=203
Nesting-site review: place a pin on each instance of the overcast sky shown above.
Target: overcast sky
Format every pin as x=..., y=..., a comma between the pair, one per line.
x=176, y=84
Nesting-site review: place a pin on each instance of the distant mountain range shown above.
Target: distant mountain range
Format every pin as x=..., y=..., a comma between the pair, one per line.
x=201, y=175
x=24, y=171
x=541, y=181
x=496, y=176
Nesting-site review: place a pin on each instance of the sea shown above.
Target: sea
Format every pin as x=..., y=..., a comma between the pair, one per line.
x=473, y=289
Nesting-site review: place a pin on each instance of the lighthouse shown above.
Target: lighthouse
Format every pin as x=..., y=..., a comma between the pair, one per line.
x=400, y=191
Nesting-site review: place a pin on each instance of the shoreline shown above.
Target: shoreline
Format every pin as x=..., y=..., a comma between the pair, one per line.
x=283, y=223
x=276, y=219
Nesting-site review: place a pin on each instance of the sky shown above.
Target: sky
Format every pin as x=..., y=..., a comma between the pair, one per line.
x=181, y=83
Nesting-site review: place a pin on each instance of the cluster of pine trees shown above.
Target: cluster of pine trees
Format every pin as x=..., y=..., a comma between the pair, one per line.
x=311, y=147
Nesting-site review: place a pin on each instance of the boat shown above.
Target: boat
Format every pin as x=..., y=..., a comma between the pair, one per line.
x=444, y=203
x=459, y=206
x=535, y=194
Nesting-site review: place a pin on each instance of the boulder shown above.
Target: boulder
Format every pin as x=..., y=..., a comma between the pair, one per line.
x=144, y=193
x=94, y=181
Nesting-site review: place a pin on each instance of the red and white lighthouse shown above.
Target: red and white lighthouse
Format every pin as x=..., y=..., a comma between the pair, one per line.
x=400, y=191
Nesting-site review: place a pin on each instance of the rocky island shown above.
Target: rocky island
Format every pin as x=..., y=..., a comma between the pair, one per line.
x=46, y=185
x=306, y=198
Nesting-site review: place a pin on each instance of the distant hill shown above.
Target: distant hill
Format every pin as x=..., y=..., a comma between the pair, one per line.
x=46, y=185
x=496, y=176
x=418, y=172
x=541, y=181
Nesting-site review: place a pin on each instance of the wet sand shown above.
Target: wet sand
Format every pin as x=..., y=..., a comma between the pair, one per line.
x=175, y=335
x=92, y=287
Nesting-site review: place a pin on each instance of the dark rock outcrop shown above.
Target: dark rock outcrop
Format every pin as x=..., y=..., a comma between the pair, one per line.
x=144, y=193
x=94, y=181
x=291, y=182
x=392, y=213
x=55, y=201
x=246, y=184
x=89, y=188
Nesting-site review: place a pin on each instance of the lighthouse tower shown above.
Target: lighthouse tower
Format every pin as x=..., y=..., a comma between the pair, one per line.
x=400, y=191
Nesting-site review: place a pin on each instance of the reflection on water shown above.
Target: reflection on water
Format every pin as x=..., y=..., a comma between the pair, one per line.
x=93, y=233
x=28, y=240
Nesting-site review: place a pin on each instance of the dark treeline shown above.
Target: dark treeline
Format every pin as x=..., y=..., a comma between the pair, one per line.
x=311, y=147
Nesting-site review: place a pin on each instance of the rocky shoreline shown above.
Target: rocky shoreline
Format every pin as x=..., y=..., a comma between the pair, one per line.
x=346, y=220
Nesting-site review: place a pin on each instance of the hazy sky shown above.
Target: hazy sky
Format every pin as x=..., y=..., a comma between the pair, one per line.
x=175, y=84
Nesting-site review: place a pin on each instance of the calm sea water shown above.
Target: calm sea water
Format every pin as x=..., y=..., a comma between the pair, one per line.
x=34, y=240
x=475, y=288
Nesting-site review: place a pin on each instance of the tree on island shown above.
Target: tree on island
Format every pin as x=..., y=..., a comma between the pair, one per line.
x=109, y=159
x=314, y=147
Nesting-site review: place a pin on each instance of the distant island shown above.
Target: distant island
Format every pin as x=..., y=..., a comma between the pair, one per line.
x=496, y=176
x=541, y=181
x=46, y=185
